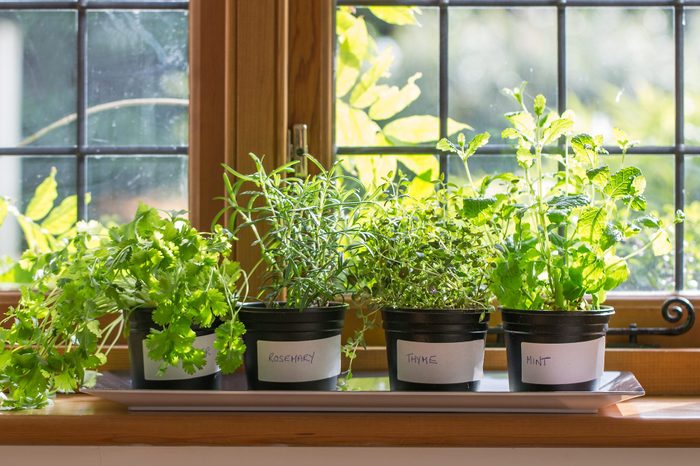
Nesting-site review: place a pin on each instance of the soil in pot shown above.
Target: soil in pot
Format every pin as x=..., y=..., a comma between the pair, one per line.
x=435, y=350
x=288, y=349
x=144, y=370
x=555, y=350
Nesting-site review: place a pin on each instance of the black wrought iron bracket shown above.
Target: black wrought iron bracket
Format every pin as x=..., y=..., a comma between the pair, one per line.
x=675, y=310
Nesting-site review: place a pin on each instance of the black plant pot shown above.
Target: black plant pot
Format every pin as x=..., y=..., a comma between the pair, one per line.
x=144, y=370
x=288, y=349
x=555, y=350
x=435, y=350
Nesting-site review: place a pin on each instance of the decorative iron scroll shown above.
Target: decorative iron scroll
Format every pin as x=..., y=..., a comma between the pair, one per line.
x=673, y=310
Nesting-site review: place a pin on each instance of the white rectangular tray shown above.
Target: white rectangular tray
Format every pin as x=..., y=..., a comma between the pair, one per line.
x=370, y=393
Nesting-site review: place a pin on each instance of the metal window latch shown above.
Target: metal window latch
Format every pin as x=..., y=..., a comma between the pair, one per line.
x=299, y=149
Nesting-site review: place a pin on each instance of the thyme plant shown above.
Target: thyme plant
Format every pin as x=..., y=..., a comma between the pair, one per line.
x=423, y=254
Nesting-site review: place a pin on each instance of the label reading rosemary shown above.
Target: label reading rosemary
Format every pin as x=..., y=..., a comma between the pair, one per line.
x=440, y=363
x=298, y=361
x=562, y=363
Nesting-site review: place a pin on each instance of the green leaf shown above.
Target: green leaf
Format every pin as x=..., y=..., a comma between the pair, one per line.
x=354, y=127
x=649, y=222
x=599, y=176
x=395, y=100
x=556, y=129
x=380, y=67
x=446, y=145
x=523, y=123
x=345, y=79
x=398, y=15
x=65, y=382
x=524, y=156
x=679, y=217
x=591, y=224
x=616, y=272
x=477, y=141
x=623, y=140
x=418, y=129
x=611, y=237
x=622, y=183
x=44, y=197
x=539, y=104
x=568, y=202
x=473, y=207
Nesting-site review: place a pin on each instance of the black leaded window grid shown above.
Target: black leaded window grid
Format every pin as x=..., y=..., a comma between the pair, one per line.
x=81, y=150
x=679, y=150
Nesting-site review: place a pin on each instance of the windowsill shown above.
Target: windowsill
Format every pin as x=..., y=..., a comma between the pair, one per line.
x=84, y=420
x=663, y=418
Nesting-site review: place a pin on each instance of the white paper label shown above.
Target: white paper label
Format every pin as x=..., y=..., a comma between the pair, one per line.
x=562, y=363
x=205, y=342
x=440, y=363
x=298, y=361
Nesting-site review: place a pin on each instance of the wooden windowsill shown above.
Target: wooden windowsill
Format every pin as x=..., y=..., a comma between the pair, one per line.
x=84, y=420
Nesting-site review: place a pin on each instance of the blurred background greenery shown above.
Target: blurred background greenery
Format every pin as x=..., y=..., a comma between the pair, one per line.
x=620, y=73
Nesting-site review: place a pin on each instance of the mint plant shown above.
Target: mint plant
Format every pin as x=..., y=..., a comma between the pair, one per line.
x=57, y=336
x=557, y=229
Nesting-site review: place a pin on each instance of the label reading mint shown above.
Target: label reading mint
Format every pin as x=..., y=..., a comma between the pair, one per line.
x=440, y=363
x=298, y=361
x=205, y=342
x=562, y=363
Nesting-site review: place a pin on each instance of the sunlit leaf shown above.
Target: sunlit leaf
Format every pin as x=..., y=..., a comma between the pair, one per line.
x=354, y=127
x=661, y=244
x=380, y=67
x=44, y=196
x=418, y=129
x=421, y=186
x=3, y=210
x=398, y=15
x=64, y=216
x=373, y=94
x=357, y=39
x=395, y=100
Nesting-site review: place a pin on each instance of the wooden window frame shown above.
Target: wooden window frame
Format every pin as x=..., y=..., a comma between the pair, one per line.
x=245, y=90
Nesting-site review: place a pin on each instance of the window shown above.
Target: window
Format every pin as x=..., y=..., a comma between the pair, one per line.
x=624, y=64
x=99, y=91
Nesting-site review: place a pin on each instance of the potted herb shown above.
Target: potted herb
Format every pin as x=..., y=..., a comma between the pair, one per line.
x=563, y=218
x=170, y=282
x=425, y=265
x=304, y=229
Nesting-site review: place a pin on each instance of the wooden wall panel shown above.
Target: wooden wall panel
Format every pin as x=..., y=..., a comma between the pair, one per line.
x=208, y=129
x=311, y=73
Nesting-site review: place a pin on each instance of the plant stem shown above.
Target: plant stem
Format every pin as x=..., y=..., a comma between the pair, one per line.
x=117, y=104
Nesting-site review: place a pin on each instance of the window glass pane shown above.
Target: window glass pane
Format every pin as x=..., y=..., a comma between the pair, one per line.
x=692, y=77
x=692, y=223
x=621, y=71
x=41, y=228
x=386, y=76
x=649, y=272
x=493, y=48
x=37, y=78
x=372, y=170
x=137, y=78
x=118, y=183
